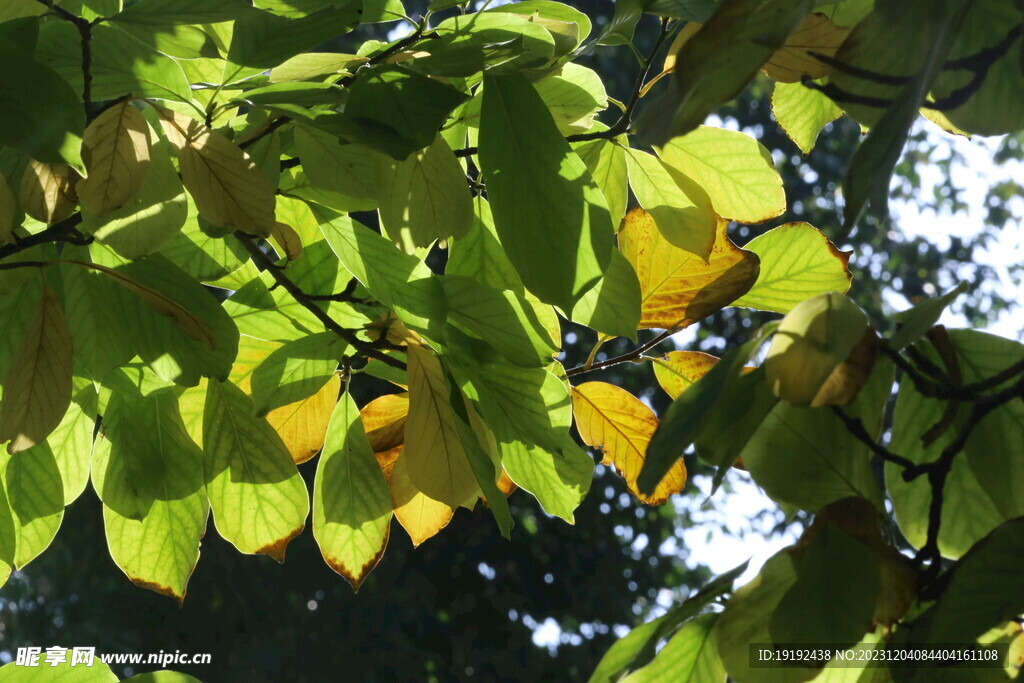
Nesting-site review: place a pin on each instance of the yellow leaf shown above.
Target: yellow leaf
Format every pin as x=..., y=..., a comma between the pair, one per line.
x=115, y=150
x=421, y=516
x=7, y=209
x=162, y=304
x=677, y=370
x=287, y=240
x=303, y=425
x=678, y=287
x=48, y=191
x=817, y=34
x=384, y=421
x=37, y=385
x=616, y=422
x=297, y=214
x=228, y=189
x=434, y=456
x=684, y=35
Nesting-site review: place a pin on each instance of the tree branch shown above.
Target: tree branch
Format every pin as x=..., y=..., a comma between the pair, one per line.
x=632, y=356
x=366, y=348
x=63, y=231
x=857, y=430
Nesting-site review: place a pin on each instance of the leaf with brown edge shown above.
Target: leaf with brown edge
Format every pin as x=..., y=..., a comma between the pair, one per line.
x=620, y=425
x=435, y=458
x=678, y=287
x=115, y=150
x=351, y=501
x=677, y=370
x=47, y=191
x=287, y=240
x=8, y=207
x=384, y=420
x=228, y=189
x=37, y=385
x=162, y=304
x=421, y=516
x=816, y=33
x=303, y=425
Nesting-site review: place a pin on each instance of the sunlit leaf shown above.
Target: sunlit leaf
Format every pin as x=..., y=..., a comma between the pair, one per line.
x=302, y=425
x=614, y=421
x=48, y=191
x=802, y=113
x=815, y=34
x=115, y=150
x=296, y=371
x=678, y=370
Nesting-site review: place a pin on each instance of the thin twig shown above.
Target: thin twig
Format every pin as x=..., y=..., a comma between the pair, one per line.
x=632, y=356
x=857, y=430
x=63, y=231
x=366, y=348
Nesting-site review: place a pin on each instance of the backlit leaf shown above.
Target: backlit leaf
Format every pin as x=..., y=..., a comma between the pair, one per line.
x=351, y=501
x=296, y=371
x=677, y=370
x=7, y=209
x=797, y=262
x=421, y=516
x=37, y=385
x=48, y=191
x=817, y=34
x=802, y=113
x=258, y=498
x=303, y=425
x=616, y=422
x=228, y=189
x=735, y=170
x=32, y=489
x=115, y=150
x=678, y=287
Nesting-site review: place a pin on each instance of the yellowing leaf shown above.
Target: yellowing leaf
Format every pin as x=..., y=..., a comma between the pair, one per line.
x=299, y=217
x=37, y=385
x=436, y=460
x=802, y=113
x=287, y=240
x=115, y=150
x=680, y=208
x=677, y=370
x=251, y=353
x=228, y=188
x=797, y=262
x=161, y=303
x=7, y=209
x=817, y=34
x=616, y=422
x=735, y=170
x=421, y=516
x=678, y=287
x=48, y=191
x=384, y=420
x=303, y=425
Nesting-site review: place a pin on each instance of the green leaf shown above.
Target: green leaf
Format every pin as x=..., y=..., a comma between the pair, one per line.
x=185, y=11
x=351, y=499
x=396, y=110
x=547, y=9
x=263, y=40
x=163, y=676
x=690, y=656
x=258, y=498
x=681, y=209
x=119, y=64
x=34, y=495
x=735, y=170
x=149, y=218
x=480, y=256
x=201, y=256
x=296, y=371
x=560, y=240
x=619, y=30
x=574, y=95
x=28, y=87
x=506, y=321
x=97, y=672
x=558, y=478
x=797, y=263
x=606, y=161
x=637, y=648
x=915, y=322
x=347, y=170
x=613, y=305
x=70, y=445
x=721, y=58
x=424, y=198
x=802, y=112
x=148, y=472
x=100, y=332
x=495, y=41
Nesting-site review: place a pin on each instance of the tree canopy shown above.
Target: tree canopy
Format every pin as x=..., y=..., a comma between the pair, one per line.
x=230, y=248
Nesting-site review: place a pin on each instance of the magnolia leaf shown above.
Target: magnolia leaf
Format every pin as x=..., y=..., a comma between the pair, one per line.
x=616, y=422
x=680, y=208
x=115, y=150
x=37, y=385
x=678, y=287
x=424, y=198
x=815, y=34
x=676, y=371
x=287, y=240
x=302, y=425
x=384, y=420
x=228, y=188
x=802, y=112
x=8, y=207
x=735, y=170
x=258, y=498
x=351, y=501
x=689, y=656
x=606, y=161
x=48, y=191
x=31, y=487
x=296, y=371
x=435, y=457
x=797, y=262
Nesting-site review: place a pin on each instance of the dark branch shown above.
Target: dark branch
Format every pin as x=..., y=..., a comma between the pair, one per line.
x=366, y=348
x=58, y=232
x=630, y=357
x=857, y=430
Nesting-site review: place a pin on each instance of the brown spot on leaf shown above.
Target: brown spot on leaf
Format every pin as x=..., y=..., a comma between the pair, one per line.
x=356, y=579
x=277, y=548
